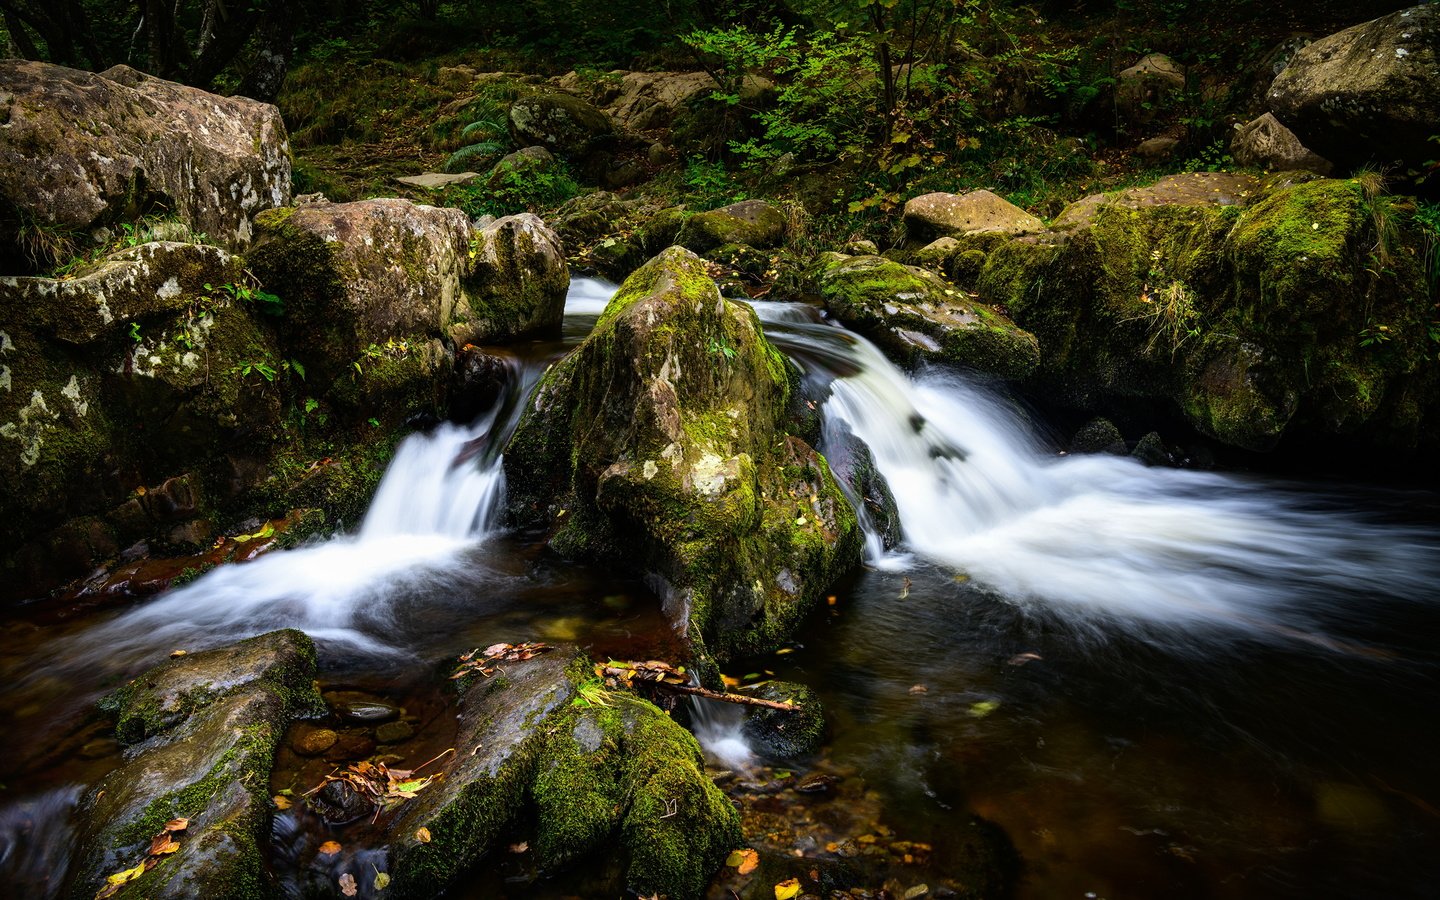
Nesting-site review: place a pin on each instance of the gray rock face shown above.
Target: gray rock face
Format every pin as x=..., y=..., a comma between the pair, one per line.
x=1366, y=93
x=1268, y=144
x=562, y=123
x=939, y=214
x=212, y=721
x=754, y=223
x=79, y=150
x=433, y=180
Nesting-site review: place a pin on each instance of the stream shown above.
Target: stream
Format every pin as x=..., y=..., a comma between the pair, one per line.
x=1157, y=682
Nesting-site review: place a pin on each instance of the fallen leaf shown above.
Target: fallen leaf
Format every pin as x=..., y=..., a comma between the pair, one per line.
x=520, y=847
x=348, y=886
x=177, y=824
x=126, y=876
x=422, y=835
x=280, y=802
x=919, y=689
x=1021, y=659
x=787, y=889
x=983, y=708
x=745, y=860
x=382, y=880
x=329, y=847
x=161, y=844
x=176, y=654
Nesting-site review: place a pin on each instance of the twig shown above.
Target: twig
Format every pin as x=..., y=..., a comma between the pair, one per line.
x=726, y=698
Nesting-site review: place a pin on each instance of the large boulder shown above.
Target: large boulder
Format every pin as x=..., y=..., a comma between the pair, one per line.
x=205, y=727
x=648, y=100
x=753, y=223
x=559, y=122
x=1267, y=144
x=660, y=445
x=939, y=214
x=1366, y=94
x=604, y=772
x=1259, y=314
x=518, y=282
x=80, y=150
x=914, y=314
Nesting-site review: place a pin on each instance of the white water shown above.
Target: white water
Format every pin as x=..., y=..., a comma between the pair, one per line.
x=719, y=727
x=1097, y=537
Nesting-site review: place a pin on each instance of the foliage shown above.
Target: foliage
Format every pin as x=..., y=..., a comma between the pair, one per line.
x=512, y=190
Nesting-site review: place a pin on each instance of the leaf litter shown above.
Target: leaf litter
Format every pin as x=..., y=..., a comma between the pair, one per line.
x=486, y=662
x=161, y=845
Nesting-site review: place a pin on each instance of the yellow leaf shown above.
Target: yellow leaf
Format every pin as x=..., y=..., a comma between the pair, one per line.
x=422, y=835
x=329, y=847
x=280, y=802
x=787, y=889
x=382, y=881
x=735, y=858
x=126, y=876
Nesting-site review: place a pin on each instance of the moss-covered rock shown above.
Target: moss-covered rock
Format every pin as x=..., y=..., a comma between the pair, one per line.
x=754, y=223
x=518, y=282
x=912, y=314
x=660, y=445
x=782, y=735
x=609, y=774
x=213, y=720
x=1295, y=305
x=562, y=123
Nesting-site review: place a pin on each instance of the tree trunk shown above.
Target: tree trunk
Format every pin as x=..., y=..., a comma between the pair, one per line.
x=274, y=45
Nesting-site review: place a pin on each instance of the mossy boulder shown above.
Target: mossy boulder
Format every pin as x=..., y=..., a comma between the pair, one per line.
x=754, y=223
x=559, y=122
x=914, y=314
x=81, y=150
x=516, y=168
x=118, y=378
x=1257, y=314
x=212, y=722
x=785, y=735
x=609, y=775
x=517, y=283
x=660, y=445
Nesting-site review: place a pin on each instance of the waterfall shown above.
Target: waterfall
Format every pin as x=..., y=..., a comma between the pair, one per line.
x=1094, y=537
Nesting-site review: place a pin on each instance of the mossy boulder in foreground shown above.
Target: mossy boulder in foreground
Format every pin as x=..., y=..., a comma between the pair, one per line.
x=212, y=721
x=610, y=775
x=660, y=445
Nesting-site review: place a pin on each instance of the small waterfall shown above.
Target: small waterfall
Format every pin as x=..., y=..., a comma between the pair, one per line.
x=1095, y=537
x=719, y=727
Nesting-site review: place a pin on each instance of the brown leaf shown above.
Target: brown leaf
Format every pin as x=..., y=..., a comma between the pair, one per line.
x=748, y=862
x=177, y=824
x=520, y=847
x=422, y=835
x=281, y=801
x=348, y=886
x=329, y=847
x=161, y=844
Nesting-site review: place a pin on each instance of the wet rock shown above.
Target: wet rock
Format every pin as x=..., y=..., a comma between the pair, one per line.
x=914, y=314
x=754, y=223
x=783, y=735
x=559, y=122
x=622, y=777
x=518, y=284
x=1267, y=144
x=308, y=741
x=338, y=803
x=854, y=465
x=938, y=214
x=213, y=720
x=1151, y=451
x=81, y=150
x=480, y=377
x=394, y=732
x=1142, y=91
x=1366, y=94
x=358, y=706
x=662, y=437
x=1099, y=435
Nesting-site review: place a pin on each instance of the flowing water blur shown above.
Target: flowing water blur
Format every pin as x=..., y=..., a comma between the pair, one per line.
x=1158, y=682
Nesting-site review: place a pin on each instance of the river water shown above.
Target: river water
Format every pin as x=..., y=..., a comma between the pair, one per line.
x=1157, y=682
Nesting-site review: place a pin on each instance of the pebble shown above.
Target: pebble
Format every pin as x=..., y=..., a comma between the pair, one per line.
x=362, y=707
x=394, y=732
x=313, y=741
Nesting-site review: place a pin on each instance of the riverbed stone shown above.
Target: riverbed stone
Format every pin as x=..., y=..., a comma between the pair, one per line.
x=611, y=772
x=81, y=150
x=517, y=284
x=938, y=214
x=661, y=445
x=914, y=314
x=211, y=721
x=1366, y=94
x=783, y=735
